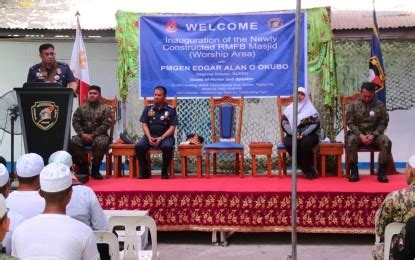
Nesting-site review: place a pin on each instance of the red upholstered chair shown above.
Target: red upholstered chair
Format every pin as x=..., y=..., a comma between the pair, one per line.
x=172, y=103
x=108, y=157
x=227, y=141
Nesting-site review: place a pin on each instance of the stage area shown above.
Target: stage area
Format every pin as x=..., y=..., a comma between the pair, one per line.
x=261, y=204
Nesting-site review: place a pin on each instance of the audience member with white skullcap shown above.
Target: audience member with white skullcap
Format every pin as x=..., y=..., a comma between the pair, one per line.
x=26, y=199
x=4, y=175
x=84, y=205
x=15, y=218
x=4, y=224
x=53, y=234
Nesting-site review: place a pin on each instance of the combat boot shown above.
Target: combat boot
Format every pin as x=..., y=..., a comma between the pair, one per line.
x=164, y=174
x=83, y=173
x=354, y=173
x=382, y=173
x=95, y=172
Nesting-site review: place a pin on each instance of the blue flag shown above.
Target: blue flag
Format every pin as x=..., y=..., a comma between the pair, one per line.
x=376, y=69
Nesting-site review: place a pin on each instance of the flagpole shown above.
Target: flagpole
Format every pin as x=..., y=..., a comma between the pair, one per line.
x=293, y=255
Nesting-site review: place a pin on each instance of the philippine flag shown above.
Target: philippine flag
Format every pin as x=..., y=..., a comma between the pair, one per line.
x=79, y=64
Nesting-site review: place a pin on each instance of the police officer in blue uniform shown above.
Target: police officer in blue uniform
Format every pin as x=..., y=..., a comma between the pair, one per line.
x=50, y=70
x=159, y=123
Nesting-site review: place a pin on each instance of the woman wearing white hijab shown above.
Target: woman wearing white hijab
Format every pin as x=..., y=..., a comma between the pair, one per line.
x=308, y=124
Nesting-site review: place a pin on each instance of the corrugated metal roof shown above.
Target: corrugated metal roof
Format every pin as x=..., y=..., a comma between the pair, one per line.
x=60, y=14
x=55, y=14
x=362, y=19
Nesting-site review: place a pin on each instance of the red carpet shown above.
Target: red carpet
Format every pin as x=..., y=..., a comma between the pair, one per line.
x=230, y=203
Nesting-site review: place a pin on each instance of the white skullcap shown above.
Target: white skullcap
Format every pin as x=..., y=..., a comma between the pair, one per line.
x=29, y=165
x=4, y=175
x=55, y=177
x=411, y=161
x=61, y=157
x=3, y=206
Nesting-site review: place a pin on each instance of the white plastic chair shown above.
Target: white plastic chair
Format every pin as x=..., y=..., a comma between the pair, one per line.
x=391, y=230
x=106, y=237
x=377, y=238
x=142, y=233
x=131, y=248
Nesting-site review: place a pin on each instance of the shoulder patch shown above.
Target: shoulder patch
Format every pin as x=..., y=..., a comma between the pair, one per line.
x=36, y=66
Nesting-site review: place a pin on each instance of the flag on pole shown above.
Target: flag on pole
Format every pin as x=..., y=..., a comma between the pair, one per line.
x=376, y=69
x=79, y=64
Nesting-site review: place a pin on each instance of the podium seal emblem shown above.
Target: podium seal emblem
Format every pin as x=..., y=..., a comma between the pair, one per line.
x=45, y=114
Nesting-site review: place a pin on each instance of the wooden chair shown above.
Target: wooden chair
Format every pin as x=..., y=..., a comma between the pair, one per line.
x=283, y=102
x=172, y=103
x=108, y=157
x=345, y=101
x=228, y=142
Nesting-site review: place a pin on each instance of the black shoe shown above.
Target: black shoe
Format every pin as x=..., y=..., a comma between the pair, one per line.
x=95, y=174
x=164, y=175
x=82, y=178
x=83, y=170
x=144, y=176
x=382, y=174
x=311, y=174
x=354, y=173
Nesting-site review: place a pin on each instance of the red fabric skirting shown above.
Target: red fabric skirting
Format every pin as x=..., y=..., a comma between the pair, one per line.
x=227, y=211
x=251, y=211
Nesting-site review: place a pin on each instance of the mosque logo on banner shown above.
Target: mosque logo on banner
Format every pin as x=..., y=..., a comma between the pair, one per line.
x=45, y=114
x=171, y=26
x=275, y=24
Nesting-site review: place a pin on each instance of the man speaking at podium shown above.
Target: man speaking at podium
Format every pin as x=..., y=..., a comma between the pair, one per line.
x=50, y=70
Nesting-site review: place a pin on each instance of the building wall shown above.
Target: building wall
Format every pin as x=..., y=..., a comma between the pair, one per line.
x=18, y=56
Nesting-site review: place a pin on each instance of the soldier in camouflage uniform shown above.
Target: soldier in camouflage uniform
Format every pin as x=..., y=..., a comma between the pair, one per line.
x=367, y=120
x=91, y=122
x=398, y=206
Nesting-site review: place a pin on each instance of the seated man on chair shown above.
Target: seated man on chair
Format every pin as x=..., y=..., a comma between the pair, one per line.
x=398, y=206
x=159, y=123
x=367, y=120
x=91, y=122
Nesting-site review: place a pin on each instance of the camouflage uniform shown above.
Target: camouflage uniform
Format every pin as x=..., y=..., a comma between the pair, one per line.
x=367, y=119
x=398, y=206
x=95, y=119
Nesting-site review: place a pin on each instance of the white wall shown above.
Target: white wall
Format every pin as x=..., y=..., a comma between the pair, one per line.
x=18, y=56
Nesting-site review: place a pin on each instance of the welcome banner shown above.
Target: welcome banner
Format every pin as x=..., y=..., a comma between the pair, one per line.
x=202, y=56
